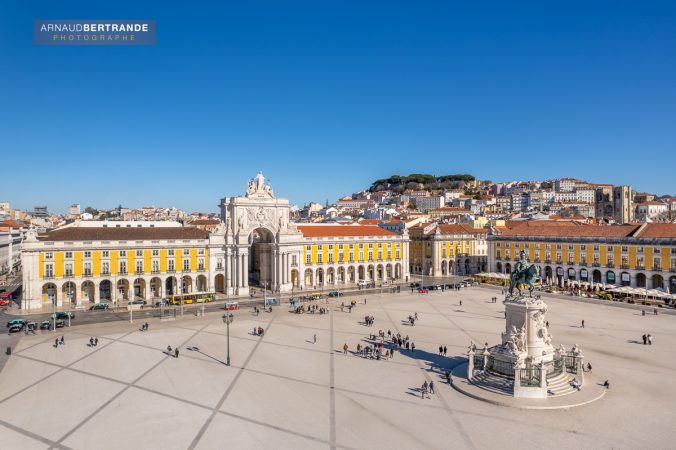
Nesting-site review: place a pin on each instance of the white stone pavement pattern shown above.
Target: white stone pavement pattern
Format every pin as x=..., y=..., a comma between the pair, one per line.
x=284, y=391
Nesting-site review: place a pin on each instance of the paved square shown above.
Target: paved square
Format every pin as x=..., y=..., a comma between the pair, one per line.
x=286, y=391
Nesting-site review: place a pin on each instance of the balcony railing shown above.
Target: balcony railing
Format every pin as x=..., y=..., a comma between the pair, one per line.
x=583, y=263
x=105, y=272
x=656, y=268
x=87, y=274
x=171, y=271
x=624, y=266
x=571, y=262
x=640, y=267
x=154, y=271
x=537, y=260
x=139, y=272
x=548, y=261
x=595, y=264
x=122, y=272
x=610, y=265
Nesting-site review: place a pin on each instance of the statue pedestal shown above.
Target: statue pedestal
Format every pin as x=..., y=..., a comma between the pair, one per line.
x=526, y=351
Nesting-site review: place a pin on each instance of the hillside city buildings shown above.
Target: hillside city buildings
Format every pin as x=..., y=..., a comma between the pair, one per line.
x=574, y=231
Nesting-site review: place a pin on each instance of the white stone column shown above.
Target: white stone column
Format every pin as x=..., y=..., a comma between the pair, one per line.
x=245, y=270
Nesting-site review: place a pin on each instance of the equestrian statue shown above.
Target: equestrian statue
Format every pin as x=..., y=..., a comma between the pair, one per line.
x=524, y=273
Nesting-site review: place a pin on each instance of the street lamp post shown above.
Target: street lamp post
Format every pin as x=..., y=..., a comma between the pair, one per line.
x=227, y=320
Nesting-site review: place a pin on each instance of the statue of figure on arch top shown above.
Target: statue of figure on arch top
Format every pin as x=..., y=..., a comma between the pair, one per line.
x=257, y=187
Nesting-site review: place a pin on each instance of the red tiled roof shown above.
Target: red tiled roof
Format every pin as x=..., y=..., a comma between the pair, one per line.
x=205, y=222
x=369, y=221
x=459, y=228
x=658, y=230
x=567, y=229
x=343, y=231
x=123, y=234
x=10, y=223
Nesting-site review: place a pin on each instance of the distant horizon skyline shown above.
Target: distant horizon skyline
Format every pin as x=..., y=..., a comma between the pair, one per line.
x=64, y=207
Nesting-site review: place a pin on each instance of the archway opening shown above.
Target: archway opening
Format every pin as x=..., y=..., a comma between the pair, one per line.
x=261, y=242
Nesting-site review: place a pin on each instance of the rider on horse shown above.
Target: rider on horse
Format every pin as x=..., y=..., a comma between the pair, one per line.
x=523, y=273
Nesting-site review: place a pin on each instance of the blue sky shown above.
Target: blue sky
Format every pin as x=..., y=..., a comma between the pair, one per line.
x=325, y=97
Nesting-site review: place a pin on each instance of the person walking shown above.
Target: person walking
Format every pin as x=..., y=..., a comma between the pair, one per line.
x=655, y=311
x=314, y=339
x=345, y=349
x=62, y=341
x=412, y=346
x=645, y=339
x=96, y=342
x=176, y=352
x=432, y=387
x=606, y=384
x=146, y=325
x=460, y=302
x=424, y=389
x=445, y=350
x=583, y=323
x=91, y=341
x=441, y=350
x=56, y=342
x=650, y=339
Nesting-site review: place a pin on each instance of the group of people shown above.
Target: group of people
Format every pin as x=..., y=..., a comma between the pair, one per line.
x=144, y=327
x=312, y=309
x=442, y=350
x=369, y=320
x=59, y=341
x=258, y=331
x=175, y=351
x=647, y=339
x=427, y=389
x=93, y=341
x=412, y=319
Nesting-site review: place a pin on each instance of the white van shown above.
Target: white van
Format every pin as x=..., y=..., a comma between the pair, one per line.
x=363, y=283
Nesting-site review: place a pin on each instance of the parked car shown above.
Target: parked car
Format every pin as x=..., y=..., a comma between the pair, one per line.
x=14, y=322
x=45, y=325
x=60, y=324
x=335, y=294
x=16, y=327
x=64, y=315
x=99, y=307
x=4, y=301
x=137, y=302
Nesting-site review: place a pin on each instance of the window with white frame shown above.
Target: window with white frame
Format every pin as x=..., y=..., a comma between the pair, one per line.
x=87, y=254
x=171, y=265
x=156, y=252
x=105, y=268
x=186, y=265
x=105, y=254
x=171, y=252
x=123, y=267
x=88, y=269
x=49, y=270
x=49, y=255
x=69, y=255
x=156, y=266
x=139, y=266
x=123, y=253
x=68, y=269
x=219, y=263
x=200, y=264
x=139, y=253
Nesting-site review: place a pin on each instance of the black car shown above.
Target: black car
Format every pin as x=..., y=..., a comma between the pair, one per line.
x=15, y=328
x=45, y=325
x=64, y=315
x=335, y=294
x=99, y=307
x=60, y=324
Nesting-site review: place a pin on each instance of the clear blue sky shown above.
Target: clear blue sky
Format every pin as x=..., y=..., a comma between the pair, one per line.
x=325, y=97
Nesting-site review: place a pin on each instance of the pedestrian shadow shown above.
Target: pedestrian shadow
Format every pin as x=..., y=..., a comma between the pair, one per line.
x=634, y=341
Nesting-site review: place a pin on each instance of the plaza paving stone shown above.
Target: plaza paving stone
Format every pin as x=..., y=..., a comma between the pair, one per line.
x=285, y=391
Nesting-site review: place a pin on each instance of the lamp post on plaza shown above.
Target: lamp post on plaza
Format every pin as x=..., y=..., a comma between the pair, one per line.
x=228, y=318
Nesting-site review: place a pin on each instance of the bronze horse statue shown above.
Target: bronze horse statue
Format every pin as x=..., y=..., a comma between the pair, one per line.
x=525, y=276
